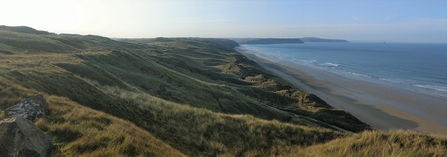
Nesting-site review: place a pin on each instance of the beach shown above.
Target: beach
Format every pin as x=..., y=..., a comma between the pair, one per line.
x=384, y=108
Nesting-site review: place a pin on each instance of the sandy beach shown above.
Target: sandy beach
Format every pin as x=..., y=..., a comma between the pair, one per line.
x=382, y=107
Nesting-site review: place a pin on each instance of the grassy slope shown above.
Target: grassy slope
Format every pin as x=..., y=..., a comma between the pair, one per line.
x=198, y=80
x=81, y=131
x=376, y=143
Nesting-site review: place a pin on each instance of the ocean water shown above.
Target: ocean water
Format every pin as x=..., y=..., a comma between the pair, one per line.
x=419, y=67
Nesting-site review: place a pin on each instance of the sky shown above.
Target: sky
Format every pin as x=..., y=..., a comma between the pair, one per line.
x=353, y=20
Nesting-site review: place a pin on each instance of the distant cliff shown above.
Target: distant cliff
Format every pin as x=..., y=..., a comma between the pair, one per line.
x=313, y=39
x=270, y=41
x=283, y=40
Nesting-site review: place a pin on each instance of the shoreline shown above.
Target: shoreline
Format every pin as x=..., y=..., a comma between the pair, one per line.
x=383, y=108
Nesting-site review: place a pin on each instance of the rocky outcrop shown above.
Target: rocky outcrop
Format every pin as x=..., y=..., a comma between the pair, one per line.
x=30, y=108
x=20, y=137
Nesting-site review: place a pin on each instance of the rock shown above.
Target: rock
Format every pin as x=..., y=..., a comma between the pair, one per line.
x=20, y=137
x=31, y=108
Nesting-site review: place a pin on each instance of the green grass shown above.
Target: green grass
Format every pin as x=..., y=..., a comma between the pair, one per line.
x=175, y=96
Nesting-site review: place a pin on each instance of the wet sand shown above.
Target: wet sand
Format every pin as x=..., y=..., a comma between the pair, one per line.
x=382, y=107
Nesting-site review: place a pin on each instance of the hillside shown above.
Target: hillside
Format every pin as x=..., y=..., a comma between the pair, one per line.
x=178, y=97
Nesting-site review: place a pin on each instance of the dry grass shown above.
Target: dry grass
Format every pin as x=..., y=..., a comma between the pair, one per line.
x=197, y=131
x=80, y=131
x=378, y=143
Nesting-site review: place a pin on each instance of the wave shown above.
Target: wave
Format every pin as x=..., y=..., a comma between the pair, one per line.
x=329, y=64
x=361, y=75
x=438, y=88
x=307, y=61
x=390, y=80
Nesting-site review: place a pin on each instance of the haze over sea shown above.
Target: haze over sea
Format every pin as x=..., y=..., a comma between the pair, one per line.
x=418, y=67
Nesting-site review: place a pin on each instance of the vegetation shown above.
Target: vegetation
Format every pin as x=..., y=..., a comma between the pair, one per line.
x=178, y=97
x=376, y=143
x=81, y=131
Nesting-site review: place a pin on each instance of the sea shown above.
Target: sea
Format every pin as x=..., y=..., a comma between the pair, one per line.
x=418, y=67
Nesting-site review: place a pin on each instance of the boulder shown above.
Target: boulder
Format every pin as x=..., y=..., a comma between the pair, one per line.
x=30, y=108
x=20, y=137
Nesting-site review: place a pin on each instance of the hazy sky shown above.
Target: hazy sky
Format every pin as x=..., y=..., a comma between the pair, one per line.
x=355, y=20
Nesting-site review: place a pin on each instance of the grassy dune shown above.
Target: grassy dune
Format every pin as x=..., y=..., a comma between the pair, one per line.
x=177, y=97
x=81, y=131
x=377, y=143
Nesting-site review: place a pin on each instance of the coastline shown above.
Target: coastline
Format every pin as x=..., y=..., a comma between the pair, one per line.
x=384, y=108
